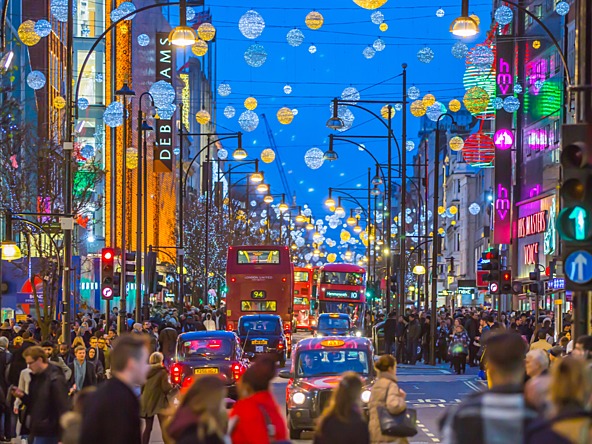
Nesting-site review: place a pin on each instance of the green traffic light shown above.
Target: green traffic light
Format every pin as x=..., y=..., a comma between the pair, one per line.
x=574, y=225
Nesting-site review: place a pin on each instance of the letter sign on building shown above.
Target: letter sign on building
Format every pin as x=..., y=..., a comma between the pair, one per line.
x=163, y=149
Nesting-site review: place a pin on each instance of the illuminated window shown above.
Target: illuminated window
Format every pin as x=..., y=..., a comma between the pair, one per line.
x=90, y=18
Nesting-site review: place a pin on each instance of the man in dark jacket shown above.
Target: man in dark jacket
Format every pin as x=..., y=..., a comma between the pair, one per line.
x=18, y=363
x=168, y=341
x=47, y=399
x=390, y=327
x=413, y=335
x=83, y=372
x=400, y=331
x=472, y=327
x=112, y=413
x=5, y=357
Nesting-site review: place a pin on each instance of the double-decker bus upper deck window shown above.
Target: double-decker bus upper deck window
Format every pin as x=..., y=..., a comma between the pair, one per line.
x=301, y=276
x=342, y=278
x=258, y=257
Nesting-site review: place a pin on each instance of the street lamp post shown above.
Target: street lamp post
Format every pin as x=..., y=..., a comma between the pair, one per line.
x=435, y=240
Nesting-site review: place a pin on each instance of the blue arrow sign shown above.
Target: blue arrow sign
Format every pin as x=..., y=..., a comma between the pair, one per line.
x=578, y=267
x=578, y=215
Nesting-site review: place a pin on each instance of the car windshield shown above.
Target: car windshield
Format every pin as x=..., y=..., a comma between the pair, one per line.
x=330, y=323
x=342, y=278
x=331, y=362
x=204, y=348
x=258, y=326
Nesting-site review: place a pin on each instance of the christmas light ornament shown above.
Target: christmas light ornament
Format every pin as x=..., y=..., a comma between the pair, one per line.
x=251, y=24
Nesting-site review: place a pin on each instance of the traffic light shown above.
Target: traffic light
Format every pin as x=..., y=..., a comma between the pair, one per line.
x=107, y=270
x=517, y=287
x=130, y=266
x=575, y=219
x=506, y=282
x=491, y=263
x=117, y=284
x=537, y=287
x=394, y=284
x=150, y=272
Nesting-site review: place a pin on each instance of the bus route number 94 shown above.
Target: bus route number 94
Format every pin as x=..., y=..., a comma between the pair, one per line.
x=258, y=294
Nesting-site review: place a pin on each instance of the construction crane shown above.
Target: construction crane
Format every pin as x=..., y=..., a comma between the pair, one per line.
x=278, y=160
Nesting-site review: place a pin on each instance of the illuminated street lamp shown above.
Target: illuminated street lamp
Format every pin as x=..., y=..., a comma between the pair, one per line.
x=262, y=188
x=239, y=153
x=10, y=251
x=257, y=176
x=464, y=26
x=335, y=122
x=283, y=207
x=268, y=199
x=183, y=35
x=377, y=180
x=419, y=270
x=330, y=202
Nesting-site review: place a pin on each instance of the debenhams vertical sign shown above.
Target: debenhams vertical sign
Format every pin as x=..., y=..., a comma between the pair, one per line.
x=163, y=149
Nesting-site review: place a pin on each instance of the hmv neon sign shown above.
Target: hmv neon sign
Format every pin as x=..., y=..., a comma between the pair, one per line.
x=502, y=202
x=505, y=80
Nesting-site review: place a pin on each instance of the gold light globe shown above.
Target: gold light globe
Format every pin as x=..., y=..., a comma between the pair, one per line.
x=285, y=115
x=331, y=257
x=454, y=105
x=268, y=199
x=476, y=100
x=250, y=103
x=475, y=18
x=418, y=108
x=257, y=177
x=330, y=202
x=345, y=235
x=206, y=31
x=452, y=222
x=456, y=143
x=441, y=210
x=27, y=34
x=262, y=188
x=283, y=207
x=536, y=44
x=200, y=48
x=202, y=117
x=383, y=27
x=428, y=100
x=384, y=112
x=314, y=20
x=370, y=4
x=59, y=102
x=268, y=155
x=440, y=230
x=182, y=36
x=453, y=209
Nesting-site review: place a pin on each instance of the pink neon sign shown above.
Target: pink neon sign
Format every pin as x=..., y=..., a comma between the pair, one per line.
x=504, y=77
x=502, y=202
x=503, y=139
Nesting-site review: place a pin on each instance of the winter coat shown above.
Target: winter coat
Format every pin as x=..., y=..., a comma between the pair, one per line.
x=154, y=393
x=459, y=344
x=414, y=330
x=353, y=431
x=390, y=327
x=250, y=424
x=570, y=427
x=385, y=393
x=183, y=428
x=168, y=342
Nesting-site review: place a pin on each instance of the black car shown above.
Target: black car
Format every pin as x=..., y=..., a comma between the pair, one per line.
x=263, y=334
x=334, y=324
x=216, y=353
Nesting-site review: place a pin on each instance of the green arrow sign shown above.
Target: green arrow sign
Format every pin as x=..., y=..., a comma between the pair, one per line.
x=578, y=215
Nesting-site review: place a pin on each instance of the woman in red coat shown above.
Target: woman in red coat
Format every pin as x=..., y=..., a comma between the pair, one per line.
x=256, y=418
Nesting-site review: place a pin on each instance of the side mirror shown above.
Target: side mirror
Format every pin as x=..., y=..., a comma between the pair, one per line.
x=285, y=374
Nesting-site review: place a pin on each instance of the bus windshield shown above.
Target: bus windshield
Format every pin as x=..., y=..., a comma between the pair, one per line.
x=331, y=323
x=342, y=278
x=301, y=276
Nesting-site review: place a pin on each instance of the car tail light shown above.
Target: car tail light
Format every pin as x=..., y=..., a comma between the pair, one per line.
x=237, y=371
x=229, y=326
x=280, y=345
x=286, y=326
x=176, y=373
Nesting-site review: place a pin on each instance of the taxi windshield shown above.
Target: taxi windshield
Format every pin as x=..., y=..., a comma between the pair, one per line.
x=330, y=323
x=331, y=362
x=267, y=326
x=204, y=348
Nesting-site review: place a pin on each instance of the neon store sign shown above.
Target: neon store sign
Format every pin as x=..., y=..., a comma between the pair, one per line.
x=502, y=203
x=538, y=139
x=533, y=224
x=531, y=254
x=505, y=79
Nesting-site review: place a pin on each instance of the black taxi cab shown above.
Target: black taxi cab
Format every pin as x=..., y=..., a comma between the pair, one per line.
x=217, y=353
x=317, y=366
x=264, y=333
x=333, y=324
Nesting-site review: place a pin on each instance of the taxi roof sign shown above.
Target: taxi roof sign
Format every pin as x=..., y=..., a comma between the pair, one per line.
x=333, y=315
x=333, y=343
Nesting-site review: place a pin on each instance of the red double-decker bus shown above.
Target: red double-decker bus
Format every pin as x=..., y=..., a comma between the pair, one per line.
x=304, y=295
x=260, y=280
x=342, y=289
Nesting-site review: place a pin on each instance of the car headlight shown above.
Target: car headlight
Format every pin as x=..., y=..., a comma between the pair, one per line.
x=319, y=335
x=366, y=396
x=299, y=398
x=358, y=334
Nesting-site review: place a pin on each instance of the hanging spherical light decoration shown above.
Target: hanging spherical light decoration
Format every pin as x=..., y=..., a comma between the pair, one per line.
x=166, y=112
x=295, y=37
x=268, y=155
x=312, y=48
x=331, y=257
x=440, y=13
x=481, y=56
x=162, y=93
x=368, y=52
x=479, y=149
x=143, y=40
x=314, y=20
x=222, y=154
x=59, y=9
x=453, y=209
x=345, y=114
x=189, y=13
x=428, y=100
x=441, y=210
x=113, y=115
x=474, y=208
x=99, y=77
x=131, y=158
x=476, y=100
x=454, y=105
x=456, y=143
x=498, y=103
x=42, y=28
x=370, y=4
x=87, y=151
x=285, y=115
x=203, y=117
x=350, y=94
x=410, y=145
x=435, y=111
x=116, y=15
x=206, y=31
x=398, y=106
x=425, y=55
x=384, y=112
x=224, y=89
x=251, y=24
x=379, y=45
x=127, y=8
x=287, y=89
x=199, y=48
x=250, y=103
x=314, y=158
x=255, y=55
x=418, y=108
x=59, y=102
x=82, y=103
x=229, y=112
x=27, y=34
x=511, y=104
x=413, y=93
x=377, y=17
x=536, y=44
x=248, y=121
x=295, y=111
x=459, y=50
x=383, y=27
x=562, y=8
x=36, y=79
x=504, y=15
x=518, y=88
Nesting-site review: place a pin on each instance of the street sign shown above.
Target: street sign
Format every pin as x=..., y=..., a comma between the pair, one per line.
x=578, y=266
x=493, y=287
x=107, y=293
x=503, y=139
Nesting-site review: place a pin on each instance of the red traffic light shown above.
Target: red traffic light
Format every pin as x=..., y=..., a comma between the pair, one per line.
x=107, y=254
x=506, y=276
